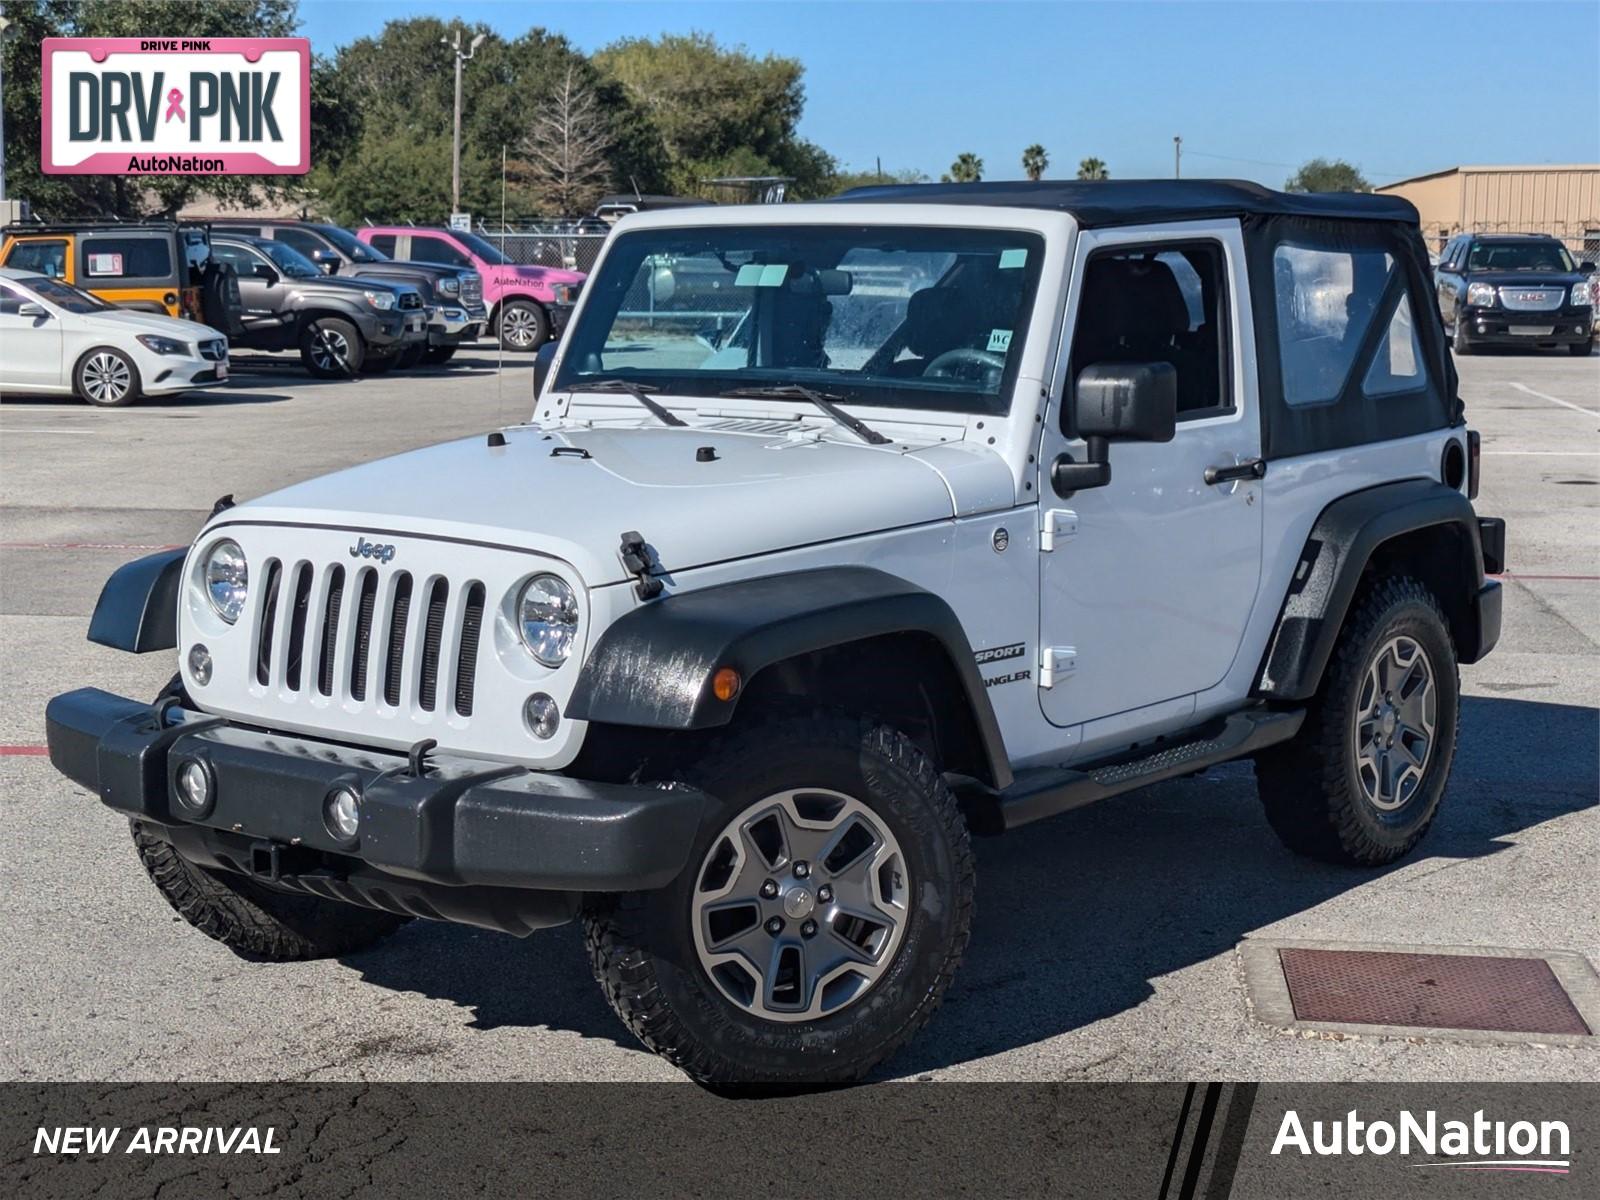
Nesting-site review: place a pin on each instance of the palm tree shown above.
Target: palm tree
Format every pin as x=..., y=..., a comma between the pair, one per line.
x=1093, y=168
x=1035, y=161
x=967, y=168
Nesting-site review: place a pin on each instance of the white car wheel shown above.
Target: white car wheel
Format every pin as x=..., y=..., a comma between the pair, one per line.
x=107, y=378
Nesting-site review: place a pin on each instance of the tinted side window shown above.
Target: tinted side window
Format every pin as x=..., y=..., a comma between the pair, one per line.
x=44, y=257
x=383, y=242
x=10, y=302
x=126, y=258
x=1159, y=303
x=436, y=250
x=307, y=243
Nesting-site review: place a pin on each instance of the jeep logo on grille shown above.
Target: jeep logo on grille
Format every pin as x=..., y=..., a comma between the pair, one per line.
x=381, y=551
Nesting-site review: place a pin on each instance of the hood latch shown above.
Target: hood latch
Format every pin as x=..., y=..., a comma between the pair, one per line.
x=636, y=558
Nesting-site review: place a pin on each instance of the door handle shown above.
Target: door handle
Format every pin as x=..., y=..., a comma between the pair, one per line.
x=1253, y=468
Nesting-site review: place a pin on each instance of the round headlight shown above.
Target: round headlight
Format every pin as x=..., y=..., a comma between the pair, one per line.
x=547, y=618
x=227, y=579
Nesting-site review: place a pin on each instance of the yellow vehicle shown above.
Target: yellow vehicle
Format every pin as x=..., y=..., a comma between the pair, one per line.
x=158, y=266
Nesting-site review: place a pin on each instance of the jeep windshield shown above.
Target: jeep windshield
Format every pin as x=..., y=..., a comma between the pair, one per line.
x=1520, y=256
x=890, y=316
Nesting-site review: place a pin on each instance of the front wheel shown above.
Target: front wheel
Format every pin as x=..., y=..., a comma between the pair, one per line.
x=331, y=348
x=1581, y=349
x=106, y=378
x=523, y=326
x=1458, y=338
x=1362, y=781
x=826, y=907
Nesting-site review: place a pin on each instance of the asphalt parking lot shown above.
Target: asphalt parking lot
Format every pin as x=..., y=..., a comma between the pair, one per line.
x=1105, y=941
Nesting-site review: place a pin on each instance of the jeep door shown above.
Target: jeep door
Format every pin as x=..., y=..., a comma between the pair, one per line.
x=1147, y=591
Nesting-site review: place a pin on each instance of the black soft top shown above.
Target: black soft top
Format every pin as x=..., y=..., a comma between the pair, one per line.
x=1107, y=202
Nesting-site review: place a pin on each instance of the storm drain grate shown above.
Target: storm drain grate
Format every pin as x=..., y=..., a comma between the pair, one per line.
x=1429, y=991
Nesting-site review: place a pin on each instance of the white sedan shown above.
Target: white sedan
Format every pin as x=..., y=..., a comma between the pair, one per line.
x=59, y=340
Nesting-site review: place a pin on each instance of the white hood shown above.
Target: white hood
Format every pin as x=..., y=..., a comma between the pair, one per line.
x=129, y=321
x=759, y=494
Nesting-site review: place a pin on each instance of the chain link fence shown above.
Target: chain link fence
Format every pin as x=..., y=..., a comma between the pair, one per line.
x=1582, y=238
x=573, y=244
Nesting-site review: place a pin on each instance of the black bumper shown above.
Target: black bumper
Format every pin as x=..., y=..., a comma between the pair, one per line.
x=560, y=314
x=1498, y=327
x=471, y=841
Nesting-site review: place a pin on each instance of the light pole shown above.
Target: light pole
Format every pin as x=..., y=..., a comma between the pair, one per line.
x=455, y=158
x=1177, y=157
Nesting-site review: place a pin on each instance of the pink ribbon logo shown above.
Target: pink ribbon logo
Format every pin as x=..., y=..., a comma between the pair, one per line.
x=175, y=105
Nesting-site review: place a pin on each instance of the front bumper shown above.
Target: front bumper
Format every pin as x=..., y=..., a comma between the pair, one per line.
x=560, y=314
x=181, y=374
x=1500, y=327
x=391, y=332
x=477, y=842
x=451, y=324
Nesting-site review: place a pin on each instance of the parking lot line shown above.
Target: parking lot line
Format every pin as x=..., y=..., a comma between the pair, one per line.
x=23, y=751
x=72, y=432
x=1588, y=412
x=84, y=546
x=1545, y=453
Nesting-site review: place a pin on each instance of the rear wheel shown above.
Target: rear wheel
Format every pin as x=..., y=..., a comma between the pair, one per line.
x=523, y=326
x=331, y=348
x=410, y=355
x=106, y=378
x=825, y=910
x=1362, y=781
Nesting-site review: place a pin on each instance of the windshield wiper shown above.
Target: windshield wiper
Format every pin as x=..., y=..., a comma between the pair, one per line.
x=822, y=400
x=637, y=391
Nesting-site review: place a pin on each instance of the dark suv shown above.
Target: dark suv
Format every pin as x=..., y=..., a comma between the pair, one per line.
x=454, y=295
x=1514, y=289
x=340, y=326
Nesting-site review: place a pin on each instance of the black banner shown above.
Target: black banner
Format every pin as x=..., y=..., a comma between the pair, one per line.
x=1106, y=1141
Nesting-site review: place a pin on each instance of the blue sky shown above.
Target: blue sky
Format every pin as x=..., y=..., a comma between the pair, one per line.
x=1397, y=88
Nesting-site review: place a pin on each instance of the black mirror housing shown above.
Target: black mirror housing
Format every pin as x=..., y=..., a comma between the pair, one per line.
x=1586, y=267
x=543, y=359
x=266, y=273
x=1127, y=402
x=327, y=260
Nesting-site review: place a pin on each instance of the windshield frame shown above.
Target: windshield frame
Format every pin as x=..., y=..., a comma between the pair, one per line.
x=604, y=294
x=349, y=245
x=271, y=248
x=481, y=247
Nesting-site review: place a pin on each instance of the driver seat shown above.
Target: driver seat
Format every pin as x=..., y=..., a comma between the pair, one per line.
x=935, y=322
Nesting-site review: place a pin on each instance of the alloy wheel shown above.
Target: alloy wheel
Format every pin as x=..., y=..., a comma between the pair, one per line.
x=1396, y=712
x=107, y=378
x=520, y=326
x=800, y=904
x=329, y=350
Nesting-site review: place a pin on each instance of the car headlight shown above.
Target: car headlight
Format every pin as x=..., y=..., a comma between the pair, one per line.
x=382, y=301
x=227, y=577
x=1481, y=294
x=567, y=293
x=450, y=286
x=1581, y=297
x=547, y=618
x=163, y=345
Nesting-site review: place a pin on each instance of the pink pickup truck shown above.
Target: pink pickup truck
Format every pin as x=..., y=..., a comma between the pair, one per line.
x=527, y=305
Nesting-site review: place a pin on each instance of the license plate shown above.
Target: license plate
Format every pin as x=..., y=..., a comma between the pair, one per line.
x=222, y=371
x=1532, y=330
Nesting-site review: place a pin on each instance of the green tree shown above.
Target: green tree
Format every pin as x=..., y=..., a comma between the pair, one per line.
x=719, y=111
x=1093, y=168
x=1327, y=175
x=1035, y=161
x=63, y=196
x=843, y=181
x=967, y=168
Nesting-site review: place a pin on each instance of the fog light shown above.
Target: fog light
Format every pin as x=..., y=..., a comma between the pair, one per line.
x=542, y=715
x=341, y=811
x=200, y=664
x=194, y=787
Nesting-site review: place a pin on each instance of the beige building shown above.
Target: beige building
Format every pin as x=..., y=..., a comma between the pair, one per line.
x=1561, y=200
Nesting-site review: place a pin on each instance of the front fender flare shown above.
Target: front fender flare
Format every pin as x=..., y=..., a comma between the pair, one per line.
x=653, y=667
x=138, y=607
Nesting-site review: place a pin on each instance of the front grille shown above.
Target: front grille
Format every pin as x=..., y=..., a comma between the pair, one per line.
x=1528, y=299
x=472, y=289
x=410, y=300
x=405, y=640
x=216, y=349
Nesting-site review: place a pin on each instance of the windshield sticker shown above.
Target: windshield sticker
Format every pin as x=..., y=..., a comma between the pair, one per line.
x=761, y=275
x=999, y=341
x=1011, y=259
x=105, y=264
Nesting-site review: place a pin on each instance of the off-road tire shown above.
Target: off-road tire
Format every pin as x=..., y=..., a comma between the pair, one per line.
x=252, y=920
x=1309, y=786
x=641, y=945
x=355, y=351
x=522, y=326
x=437, y=356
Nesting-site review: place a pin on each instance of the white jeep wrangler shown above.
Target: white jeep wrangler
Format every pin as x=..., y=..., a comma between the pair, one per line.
x=840, y=532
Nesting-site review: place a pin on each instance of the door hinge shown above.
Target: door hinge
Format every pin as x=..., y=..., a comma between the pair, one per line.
x=1059, y=523
x=1056, y=662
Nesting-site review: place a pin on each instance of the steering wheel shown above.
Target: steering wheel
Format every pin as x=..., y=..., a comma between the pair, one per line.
x=946, y=365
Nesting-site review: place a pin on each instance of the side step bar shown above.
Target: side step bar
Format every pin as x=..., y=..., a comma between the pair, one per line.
x=1046, y=791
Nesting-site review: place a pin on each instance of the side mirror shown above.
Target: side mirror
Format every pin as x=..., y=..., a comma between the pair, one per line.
x=29, y=309
x=265, y=273
x=542, y=361
x=1586, y=267
x=1116, y=402
x=327, y=260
